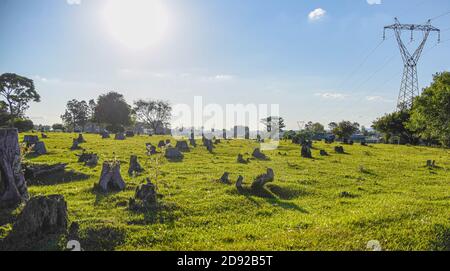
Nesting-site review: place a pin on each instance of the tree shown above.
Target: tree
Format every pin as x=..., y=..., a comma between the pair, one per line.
x=18, y=92
x=345, y=129
x=76, y=114
x=112, y=109
x=155, y=114
x=430, y=115
x=5, y=117
x=315, y=128
x=58, y=126
x=273, y=123
x=394, y=125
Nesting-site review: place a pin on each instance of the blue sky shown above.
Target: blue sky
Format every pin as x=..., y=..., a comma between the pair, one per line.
x=304, y=55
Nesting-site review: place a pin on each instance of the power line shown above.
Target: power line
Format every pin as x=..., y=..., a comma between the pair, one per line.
x=439, y=16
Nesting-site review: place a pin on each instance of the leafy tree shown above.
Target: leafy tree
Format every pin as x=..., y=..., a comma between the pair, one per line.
x=394, y=125
x=315, y=128
x=17, y=92
x=5, y=117
x=274, y=123
x=112, y=109
x=430, y=115
x=332, y=126
x=345, y=129
x=76, y=114
x=155, y=114
x=91, y=110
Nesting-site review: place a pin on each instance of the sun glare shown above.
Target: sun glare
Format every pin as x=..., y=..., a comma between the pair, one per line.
x=137, y=24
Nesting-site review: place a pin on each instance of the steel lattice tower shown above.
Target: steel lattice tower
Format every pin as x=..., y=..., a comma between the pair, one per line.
x=409, y=88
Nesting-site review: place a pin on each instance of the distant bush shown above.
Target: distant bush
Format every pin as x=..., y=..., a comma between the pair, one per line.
x=23, y=125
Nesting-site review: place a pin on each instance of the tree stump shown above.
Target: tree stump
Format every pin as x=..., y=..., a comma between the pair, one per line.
x=259, y=155
x=192, y=142
x=105, y=135
x=431, y=163
x=217, y=141
x=129, y=134
x=174, y=154
x=261, y=180
x=182, y=146
x=13, y=188
x=119, y=136
x=93, y=161
x=168, y=142
x=323, y=153
x=151, y=150
x=30, y=139
x=306, y=151
x=145, y=197
x=241, y=160
x=161, y=144
x=42, y=215
x=39, y=148
x=339, y=149
x=135, y=167
x=110, y=178
x=240, y=184
x=224, y=179
x=75, y=145
x=208, y=144
x=44, y=136
x=80, y=139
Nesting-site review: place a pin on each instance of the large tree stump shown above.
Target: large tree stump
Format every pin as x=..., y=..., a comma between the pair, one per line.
x=240, y=184
x=44, y=135
x=182, y=146
x=42, y=215
x=36, y=170
x=135, y=167
x=323, y=153
x=110, y=178
x=129, y=134
x=13, y=188
x=30, y=139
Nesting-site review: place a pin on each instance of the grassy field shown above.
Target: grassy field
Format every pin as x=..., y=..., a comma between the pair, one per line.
x=391, y=197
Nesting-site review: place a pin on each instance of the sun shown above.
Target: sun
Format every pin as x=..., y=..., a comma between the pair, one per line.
x=137, y=24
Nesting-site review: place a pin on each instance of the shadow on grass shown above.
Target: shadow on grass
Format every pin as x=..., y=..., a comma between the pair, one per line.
x=163, y=213
x=102, y=238
x=59, y=177
x=270, y=197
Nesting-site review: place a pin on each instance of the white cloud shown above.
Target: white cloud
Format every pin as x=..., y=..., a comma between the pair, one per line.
x=317, y=14
x=45, y=80
x=331, y=95
x=73, y=2
x=374, y=2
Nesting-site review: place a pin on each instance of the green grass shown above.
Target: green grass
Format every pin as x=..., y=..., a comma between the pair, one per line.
x=391, y=197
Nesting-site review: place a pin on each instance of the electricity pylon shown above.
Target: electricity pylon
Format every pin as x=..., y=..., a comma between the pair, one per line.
x=409, y=88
